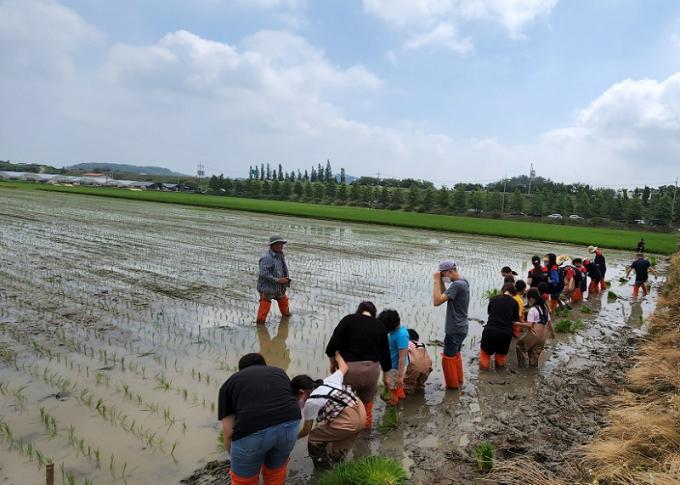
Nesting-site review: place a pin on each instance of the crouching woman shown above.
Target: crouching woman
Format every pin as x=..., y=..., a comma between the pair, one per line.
x=340, y=415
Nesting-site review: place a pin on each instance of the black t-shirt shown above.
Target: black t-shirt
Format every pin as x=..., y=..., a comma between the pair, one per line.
x=361, y=337
x=641, y=266
x=503, y=311
x=261, y=396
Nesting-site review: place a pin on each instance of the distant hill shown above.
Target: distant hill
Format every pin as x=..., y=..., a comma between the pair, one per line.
x=119, y=167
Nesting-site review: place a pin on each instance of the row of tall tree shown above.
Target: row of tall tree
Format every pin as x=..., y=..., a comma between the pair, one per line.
x=645, y=203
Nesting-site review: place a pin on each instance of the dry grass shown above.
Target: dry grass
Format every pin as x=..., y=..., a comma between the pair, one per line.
x=641, y=445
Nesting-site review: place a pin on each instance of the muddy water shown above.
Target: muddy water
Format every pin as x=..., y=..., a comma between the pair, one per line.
x=126, y=317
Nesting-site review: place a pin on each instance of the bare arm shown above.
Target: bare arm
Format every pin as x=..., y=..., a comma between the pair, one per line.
x=402, y=367
x=340, y=364
x=228, y=431
x=552, y=329
x=305, y=429
x=334, y=364
x=438, y=295
x=651, y=268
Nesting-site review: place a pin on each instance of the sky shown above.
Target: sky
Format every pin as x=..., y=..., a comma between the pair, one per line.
x=442, y=90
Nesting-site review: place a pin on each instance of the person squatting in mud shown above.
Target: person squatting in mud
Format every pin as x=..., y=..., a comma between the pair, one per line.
x=340, y=414
x=399, y=340
x=457, y=299
x=498, y=332
x=260, y=420
x=419, y=364
x=538, y=323
x=363, y=342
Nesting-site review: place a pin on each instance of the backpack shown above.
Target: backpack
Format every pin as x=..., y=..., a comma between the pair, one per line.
x=559, y=284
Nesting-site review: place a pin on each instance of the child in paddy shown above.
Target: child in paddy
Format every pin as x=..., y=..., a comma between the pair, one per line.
x=521, y=288
x=399, y=340
x=539, y=325
x=419, y=364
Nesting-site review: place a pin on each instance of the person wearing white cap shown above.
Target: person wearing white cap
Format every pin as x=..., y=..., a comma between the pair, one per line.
x=273, y=280
x=457, y=299
x=601, y=264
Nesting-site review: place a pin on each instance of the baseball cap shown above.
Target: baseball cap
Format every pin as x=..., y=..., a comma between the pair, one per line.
x=275, y=239
x=446, y=265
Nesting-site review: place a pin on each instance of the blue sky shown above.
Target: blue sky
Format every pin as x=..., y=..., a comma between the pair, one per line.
x=442, y=90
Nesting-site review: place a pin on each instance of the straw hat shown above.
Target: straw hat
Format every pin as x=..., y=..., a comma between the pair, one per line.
x=592, y=249
x=562, y=258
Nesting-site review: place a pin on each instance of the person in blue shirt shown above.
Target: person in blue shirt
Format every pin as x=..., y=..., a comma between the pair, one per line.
x=399, y=339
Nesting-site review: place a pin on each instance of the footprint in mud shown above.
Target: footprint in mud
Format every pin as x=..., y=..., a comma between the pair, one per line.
x=60, y=396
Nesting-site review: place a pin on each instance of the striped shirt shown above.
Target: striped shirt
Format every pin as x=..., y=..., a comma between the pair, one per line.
x=272, y=267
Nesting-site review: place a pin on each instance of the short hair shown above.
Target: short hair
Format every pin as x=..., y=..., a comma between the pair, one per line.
x=542, y=287
x=390, y=318
x=520, y=285
x=367, y=306
x=413, y=335
x=509, y=279
x=510, y=288
x=577, y=261
x=251, y=359
x=639, y=255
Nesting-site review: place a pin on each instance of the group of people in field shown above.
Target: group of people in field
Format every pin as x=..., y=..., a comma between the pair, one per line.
x=263, y=412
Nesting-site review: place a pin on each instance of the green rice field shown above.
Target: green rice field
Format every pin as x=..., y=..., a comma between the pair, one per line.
x=660, y=243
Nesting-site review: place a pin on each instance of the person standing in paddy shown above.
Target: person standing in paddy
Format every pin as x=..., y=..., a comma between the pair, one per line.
x=601, y=264
x=642, y=268
x=273, y=280
x=497, y=335
x=457, y=299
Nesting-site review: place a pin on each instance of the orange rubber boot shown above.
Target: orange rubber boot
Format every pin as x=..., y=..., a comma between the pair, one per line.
x=553, y=304
x=635, y=290
x=395, y=397
x=244, y=481
x=274, y=477
x=644, y=288
x=450, y=372
x=577, y=295
x=484, y=360
x=500, y=360
x=593, y=287
x=369, y=415
x=263, y=311
x=400, y=392
x=603, y=284
x=459, y=367
x=283, y=306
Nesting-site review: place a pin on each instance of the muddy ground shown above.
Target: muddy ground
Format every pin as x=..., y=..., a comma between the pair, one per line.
x=119, y=320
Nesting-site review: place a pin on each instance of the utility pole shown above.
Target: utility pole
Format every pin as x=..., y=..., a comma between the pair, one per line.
x=377, y=188
x=200, y=173
x=675, y=192
x=532, y=174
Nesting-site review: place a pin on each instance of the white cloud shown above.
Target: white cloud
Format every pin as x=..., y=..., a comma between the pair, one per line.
x=437, y=22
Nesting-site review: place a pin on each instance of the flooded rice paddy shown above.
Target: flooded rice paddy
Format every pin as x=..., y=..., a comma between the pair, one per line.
x=120, y=320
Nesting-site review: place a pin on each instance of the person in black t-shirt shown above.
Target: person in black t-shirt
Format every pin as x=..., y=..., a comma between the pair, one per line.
x=641, y=267
x=260, y=420
x=362, y=341
x=498, y=332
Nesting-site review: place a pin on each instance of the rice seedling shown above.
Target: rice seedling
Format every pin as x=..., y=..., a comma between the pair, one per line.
x=484, y=455
x=612, y=296
x=561, y=311
x=586, y=309
x=372, y=470
x=567, y=326
x=491, y=293
x=390, y=419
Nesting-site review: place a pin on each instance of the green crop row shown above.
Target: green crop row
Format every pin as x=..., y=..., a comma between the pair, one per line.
x=608, y=238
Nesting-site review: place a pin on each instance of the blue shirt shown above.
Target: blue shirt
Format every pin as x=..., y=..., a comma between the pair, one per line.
x=272, y=267
x=398, y=340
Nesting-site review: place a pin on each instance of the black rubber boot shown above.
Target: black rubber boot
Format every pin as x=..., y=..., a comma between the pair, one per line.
x=319, y=455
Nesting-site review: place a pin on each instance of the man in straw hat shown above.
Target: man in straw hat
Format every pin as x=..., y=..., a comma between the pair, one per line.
x=273, y=280
x=457, y=299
